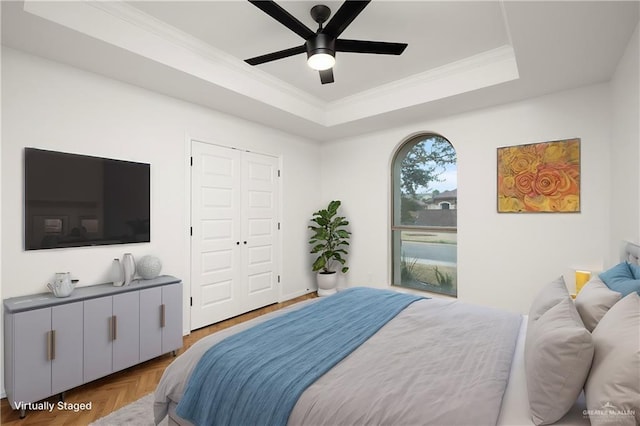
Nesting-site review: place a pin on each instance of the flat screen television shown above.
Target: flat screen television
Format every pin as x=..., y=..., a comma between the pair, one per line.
x=76, y=200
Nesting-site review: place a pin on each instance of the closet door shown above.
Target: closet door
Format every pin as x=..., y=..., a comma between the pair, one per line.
x=259, y=229
x=216, y=239
x=234, y=242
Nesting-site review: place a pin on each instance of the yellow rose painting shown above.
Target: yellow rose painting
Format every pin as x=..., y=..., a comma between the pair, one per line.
x=540, y=177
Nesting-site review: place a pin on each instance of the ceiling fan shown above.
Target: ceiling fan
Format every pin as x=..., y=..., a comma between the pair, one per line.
x=321, y=46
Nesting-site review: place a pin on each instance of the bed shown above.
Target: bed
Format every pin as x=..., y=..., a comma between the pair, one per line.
x=437, y=362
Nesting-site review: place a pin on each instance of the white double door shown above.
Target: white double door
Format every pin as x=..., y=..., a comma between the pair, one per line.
x=235, y=243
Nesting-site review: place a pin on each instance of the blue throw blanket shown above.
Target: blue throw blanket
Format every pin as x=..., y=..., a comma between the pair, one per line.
x=255, y=377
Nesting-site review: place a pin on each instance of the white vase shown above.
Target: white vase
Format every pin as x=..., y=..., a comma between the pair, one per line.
x=327, y=283
x=129, y=266
x=117, y=274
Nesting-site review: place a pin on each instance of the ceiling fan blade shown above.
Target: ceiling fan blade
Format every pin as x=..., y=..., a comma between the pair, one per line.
x=364, y=46
x=272, y=9
x=344, y=16
x=276, y=55
x=326, y=76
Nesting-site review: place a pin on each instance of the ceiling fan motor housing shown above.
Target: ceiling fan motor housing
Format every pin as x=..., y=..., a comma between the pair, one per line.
x=321, y=43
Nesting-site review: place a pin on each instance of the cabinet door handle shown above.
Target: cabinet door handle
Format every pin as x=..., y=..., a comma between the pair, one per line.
x=162, y=315
x=114, y=319
x=53, y=344
x=113, y=328
x=49, y=346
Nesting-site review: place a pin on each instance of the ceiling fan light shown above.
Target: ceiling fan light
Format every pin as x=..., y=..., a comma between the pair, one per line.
x=321, y=51
x=321, y=61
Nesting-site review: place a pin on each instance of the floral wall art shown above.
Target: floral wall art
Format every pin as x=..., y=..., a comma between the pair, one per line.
x=539, y=177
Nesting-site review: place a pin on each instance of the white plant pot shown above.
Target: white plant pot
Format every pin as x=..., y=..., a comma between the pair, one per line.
x=327, y=283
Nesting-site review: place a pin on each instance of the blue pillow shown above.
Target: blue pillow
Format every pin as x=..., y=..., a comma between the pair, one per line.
x=621, y=279
x=635, y=270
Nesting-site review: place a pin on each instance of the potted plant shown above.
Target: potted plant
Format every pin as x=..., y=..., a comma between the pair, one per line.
x=329, y=241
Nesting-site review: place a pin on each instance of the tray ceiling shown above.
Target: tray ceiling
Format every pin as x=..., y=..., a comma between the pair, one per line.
x=461, y=55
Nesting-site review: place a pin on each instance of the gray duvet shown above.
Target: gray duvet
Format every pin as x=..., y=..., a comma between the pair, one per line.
x=439, y=362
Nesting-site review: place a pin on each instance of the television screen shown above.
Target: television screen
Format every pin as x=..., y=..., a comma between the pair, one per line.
x=76, y=200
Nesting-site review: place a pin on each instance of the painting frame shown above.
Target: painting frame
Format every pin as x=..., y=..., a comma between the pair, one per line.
x=540, y=177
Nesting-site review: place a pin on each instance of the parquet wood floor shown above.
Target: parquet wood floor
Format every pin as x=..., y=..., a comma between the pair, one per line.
x=117, y=390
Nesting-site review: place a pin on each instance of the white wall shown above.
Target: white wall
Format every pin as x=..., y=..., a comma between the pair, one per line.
x=1, y=316
x=625, y=143
x=503, y=259
x=52, y=106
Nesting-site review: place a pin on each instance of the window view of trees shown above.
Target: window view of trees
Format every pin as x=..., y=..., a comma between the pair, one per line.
x=425, y=221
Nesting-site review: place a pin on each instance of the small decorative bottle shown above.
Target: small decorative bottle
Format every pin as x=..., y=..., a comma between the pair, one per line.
x=129, y=265
x=116, y=273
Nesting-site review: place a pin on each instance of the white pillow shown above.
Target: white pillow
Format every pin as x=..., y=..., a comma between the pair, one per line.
x=558, y=353
x=613, y=386
x=550, y=295
x=594, y=300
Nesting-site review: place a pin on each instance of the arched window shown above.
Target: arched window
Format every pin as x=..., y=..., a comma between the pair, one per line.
x=424, y=224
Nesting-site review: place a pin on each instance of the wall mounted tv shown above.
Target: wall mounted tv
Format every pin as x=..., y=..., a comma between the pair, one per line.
x=76, y=200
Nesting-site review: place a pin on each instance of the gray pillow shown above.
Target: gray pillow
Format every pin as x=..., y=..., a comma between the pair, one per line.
x=558, y=354
x=613, y=387
x=594, y=300
x=548, y=297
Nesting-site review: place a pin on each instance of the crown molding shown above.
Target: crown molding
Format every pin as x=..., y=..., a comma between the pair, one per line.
x=476, y=72
x=122, y=25
x=120, y=10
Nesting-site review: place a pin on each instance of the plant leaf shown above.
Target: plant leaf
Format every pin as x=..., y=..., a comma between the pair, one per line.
x=319, y=264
